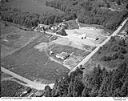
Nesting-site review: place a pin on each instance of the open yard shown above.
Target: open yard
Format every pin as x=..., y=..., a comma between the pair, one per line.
x=82, y=38
x=87, y=35
x=75, y=55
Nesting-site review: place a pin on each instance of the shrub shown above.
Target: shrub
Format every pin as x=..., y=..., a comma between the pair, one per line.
x=115, y=48
x=106, y=58
x=123, y=50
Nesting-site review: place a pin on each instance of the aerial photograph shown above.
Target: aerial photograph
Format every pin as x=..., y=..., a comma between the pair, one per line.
x=64, y=48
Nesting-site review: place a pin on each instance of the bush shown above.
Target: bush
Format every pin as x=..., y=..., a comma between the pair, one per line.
x=115, y=56
x=115, y=48
x=123, y=50
x=121, y=56
x=106, y=58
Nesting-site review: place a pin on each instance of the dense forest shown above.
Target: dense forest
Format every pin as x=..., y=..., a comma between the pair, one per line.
x=27, y=19
x=87, y=11
x=92, y=11
x=98, y=82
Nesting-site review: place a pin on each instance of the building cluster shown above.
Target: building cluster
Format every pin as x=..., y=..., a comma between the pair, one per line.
x=56, y=28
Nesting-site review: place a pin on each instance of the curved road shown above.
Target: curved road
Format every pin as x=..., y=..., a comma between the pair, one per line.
x=85, y=60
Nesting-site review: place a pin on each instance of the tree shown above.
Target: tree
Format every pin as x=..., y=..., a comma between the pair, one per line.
x=47, y=91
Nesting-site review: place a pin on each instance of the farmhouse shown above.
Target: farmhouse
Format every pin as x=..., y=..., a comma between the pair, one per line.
x=62, y=55
x=41, y=27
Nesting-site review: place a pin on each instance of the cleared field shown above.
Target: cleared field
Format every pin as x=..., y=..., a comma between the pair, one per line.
x=87, y=35
x=33, y=6
x=96, y=26
x=83, y=37
x=32, y=64
x=13, y=38
x=72, y=43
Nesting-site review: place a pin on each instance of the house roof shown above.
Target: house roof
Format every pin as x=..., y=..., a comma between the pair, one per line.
x=63, y=54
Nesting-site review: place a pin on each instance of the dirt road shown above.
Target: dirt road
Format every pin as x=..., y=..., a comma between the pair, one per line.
x=101, y=45
x=30, y=83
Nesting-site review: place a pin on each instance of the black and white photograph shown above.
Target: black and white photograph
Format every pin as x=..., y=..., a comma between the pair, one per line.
x=64, y=49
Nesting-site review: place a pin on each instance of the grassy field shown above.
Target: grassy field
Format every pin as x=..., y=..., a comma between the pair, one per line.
x=13, y=38
x=34, y=65
x=3, y=75
x=111, y=55
x=33, y=6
